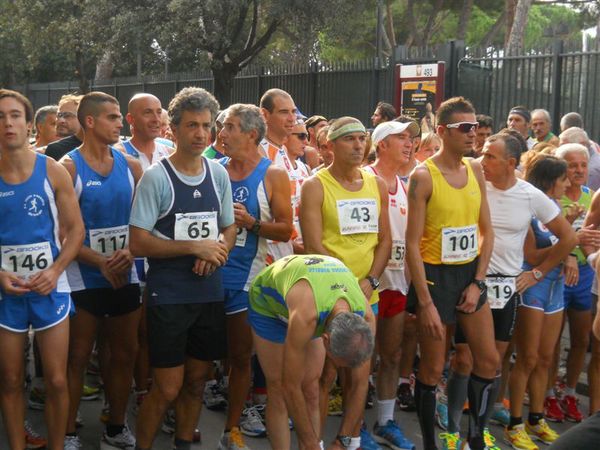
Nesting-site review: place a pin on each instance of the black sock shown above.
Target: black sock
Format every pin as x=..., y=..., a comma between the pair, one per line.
x=113, y=430
x=182, y=444
x=515, y=421
x=479, y=396
x=493, y=396
x=457, y=394
x=425, y=401
x=534, y=418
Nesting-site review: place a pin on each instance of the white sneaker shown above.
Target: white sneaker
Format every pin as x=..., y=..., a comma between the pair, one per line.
x=72, y=443
x=124, y=440
x=251, y=423
x=232, y=440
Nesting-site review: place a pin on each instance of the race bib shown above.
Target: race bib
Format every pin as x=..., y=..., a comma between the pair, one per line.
x=26, y=260
x=106, y=241
x=240, y=239
x=196, y=226
x=459, y=244
x=500, y=290
x=578, y=223
x=358, y=216
x=396, y=261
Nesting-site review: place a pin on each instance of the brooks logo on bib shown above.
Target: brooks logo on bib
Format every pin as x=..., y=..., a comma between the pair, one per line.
x=196, y=226
x=459, y=244
x=500, y=290
x=26, y=260
x=358, y=216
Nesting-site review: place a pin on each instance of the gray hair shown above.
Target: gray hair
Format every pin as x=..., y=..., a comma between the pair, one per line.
x=250, y=119
x=572, y=119
x=192, y=99
x=512, y=146
x=351, y=338
x=567, y=149
x=42, y=113
x=574, y=135
x=544, y=113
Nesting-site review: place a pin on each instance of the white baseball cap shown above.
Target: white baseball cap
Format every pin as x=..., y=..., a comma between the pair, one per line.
x=384, y=129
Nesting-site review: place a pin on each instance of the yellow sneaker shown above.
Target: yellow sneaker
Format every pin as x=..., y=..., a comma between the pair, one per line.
x=518, y=439
x=542, y=432
x=489, y=440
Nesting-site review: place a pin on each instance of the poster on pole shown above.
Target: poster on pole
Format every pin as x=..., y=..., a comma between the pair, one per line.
x=419, y=92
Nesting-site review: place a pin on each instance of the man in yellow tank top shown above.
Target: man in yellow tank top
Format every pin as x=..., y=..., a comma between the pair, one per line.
x=344, y=213
x=449, y=241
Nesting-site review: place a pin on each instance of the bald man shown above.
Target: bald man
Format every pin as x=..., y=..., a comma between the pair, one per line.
x=144, y=118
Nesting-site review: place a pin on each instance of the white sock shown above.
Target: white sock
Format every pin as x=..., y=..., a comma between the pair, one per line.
x=385, y=411
x=354, y=443
x=403, y=380
x=570, y=391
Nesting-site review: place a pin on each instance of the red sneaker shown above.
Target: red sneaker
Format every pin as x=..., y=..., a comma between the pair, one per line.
x=570, y=407
x=552, y=410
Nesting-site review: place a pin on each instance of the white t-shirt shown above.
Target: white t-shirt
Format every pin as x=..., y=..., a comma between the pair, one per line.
x=512, y=211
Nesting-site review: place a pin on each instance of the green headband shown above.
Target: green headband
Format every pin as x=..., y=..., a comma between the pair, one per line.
x=352, y=127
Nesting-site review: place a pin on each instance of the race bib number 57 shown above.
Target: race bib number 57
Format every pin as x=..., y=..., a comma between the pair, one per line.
x=359, y=215
x=26, y=260
x=459, y=244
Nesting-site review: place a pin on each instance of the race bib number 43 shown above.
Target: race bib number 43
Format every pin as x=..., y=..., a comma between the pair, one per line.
x=459, y=244
x=26, y=260
x=106, y=241
x=196, y=226
x=500, y=290
x=358, y=215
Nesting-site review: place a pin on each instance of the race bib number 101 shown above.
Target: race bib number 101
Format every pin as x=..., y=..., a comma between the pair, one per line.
x=26, y=260
x=459, y=244
x=196, y=226
x=358, y=215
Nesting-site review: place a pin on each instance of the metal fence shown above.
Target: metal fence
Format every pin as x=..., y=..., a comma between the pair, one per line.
x=556, y=78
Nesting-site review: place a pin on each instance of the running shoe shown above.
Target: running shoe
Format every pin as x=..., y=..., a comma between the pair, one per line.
x=232, y=440
x=489, y=440
x=366, y=440
x=570, y=406
x=37, y=399
x=168, y=425
x=451, y=441
x=124, y=440
x=90, y=393
x=500, y=416
x=518, y=438
x=552, y=410
x=251, y=423
x=542, y=432
x=334, y=407
x=406, y=399
x=32, y=438
x=72, y=443
x=262, y=411
x=391, y=435
x=441, y=413
x=213, y=398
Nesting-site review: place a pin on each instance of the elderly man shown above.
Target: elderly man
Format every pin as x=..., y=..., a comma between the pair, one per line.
x=541, y=125
x=576, y=135
x=293, y=301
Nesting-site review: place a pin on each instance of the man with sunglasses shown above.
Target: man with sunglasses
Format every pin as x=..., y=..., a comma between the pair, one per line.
x=449, y=241
x=67, y=127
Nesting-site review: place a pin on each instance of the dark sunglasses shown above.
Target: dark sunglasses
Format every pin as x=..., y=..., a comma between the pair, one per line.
x=464, y=127
x=301, y=136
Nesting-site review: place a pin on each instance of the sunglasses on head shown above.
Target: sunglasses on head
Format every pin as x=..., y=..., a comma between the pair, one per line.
x=464, y=127
x=301, y=136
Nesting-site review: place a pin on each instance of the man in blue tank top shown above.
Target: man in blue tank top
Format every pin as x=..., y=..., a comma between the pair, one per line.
x=262, y=208
x=182, y=220
x=36, y=195
x=104, y=282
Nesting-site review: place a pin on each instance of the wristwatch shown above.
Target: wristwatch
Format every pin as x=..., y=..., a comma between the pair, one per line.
x=344, y=440
x=255, y=226
x=537, y=274
x=480, y=284
x=374, y=282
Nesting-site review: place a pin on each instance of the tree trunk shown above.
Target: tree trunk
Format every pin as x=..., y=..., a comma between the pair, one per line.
x=463, y=21
x=223, y=77
x=389, y=22
x=105, y=66
x=510, y=8
x=431, y=21
x=491, y=34
x=80, y=73
x=410, y=17
x=517, y=32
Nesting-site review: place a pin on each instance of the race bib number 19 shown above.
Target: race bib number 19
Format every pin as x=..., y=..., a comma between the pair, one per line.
x=459, y=244
x=358, y=215
x=500, y=290
x=196, y=226
x=106, y=241
x=26, y=260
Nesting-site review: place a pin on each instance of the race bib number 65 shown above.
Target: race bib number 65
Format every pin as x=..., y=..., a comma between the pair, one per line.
x=26, y=260
x=358, y=215
x=459, y=244
x=196, y=226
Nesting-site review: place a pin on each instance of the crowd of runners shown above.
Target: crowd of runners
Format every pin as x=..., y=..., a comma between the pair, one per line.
x=284, y=268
